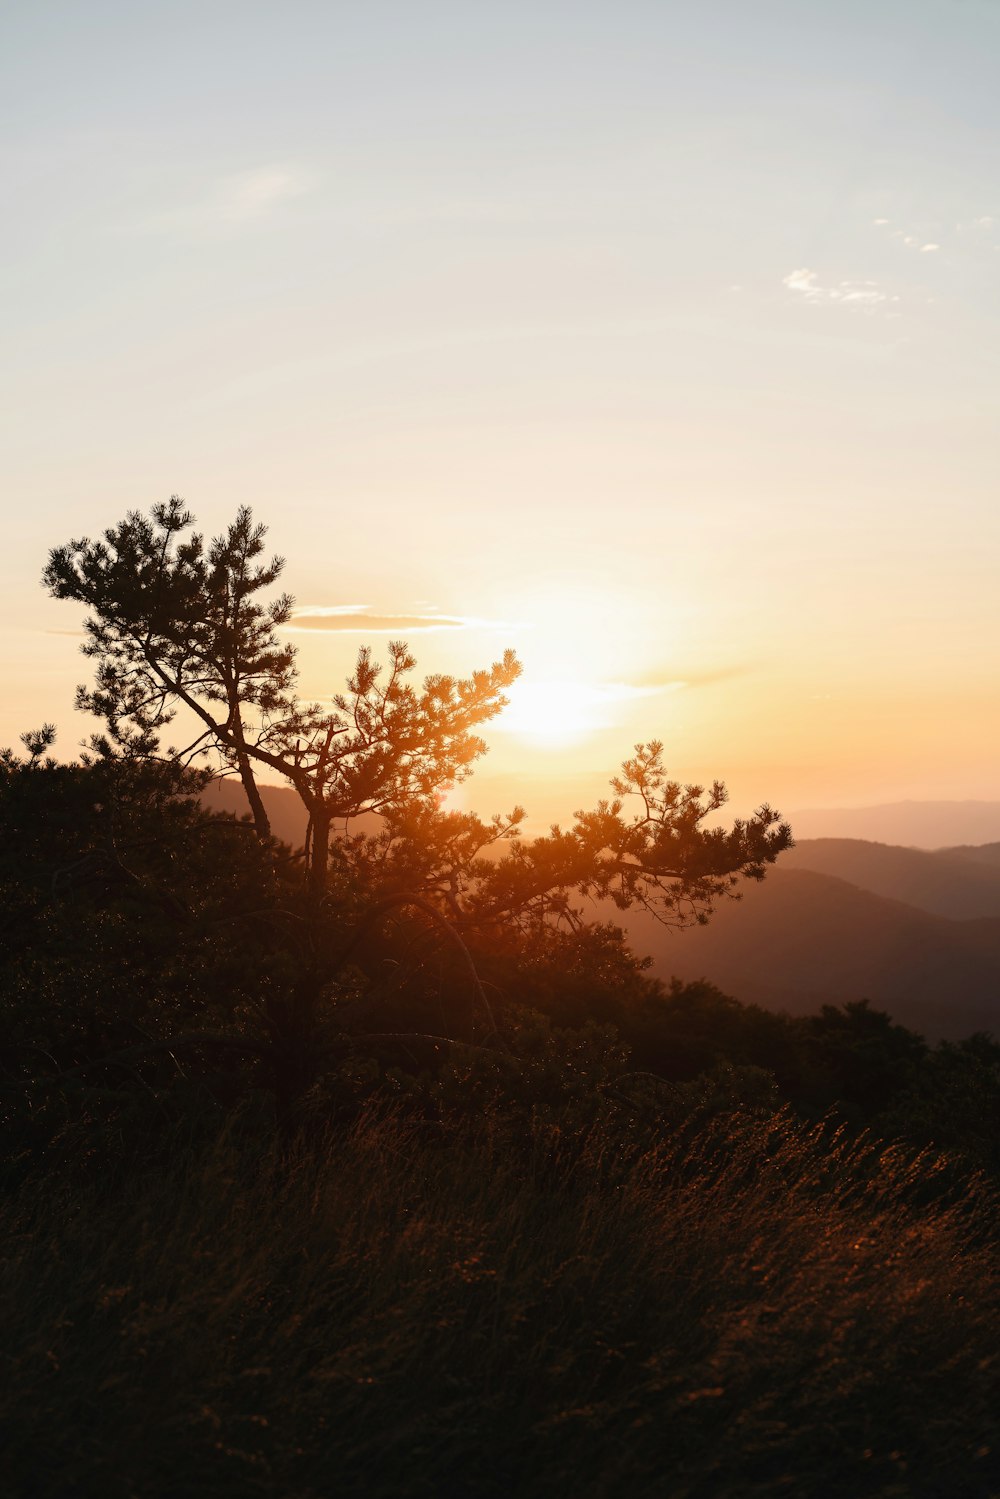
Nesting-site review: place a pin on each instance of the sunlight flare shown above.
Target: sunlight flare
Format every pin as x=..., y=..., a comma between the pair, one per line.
x=552, y=714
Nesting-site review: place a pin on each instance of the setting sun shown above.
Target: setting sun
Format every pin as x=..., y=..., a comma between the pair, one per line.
x=552, y=714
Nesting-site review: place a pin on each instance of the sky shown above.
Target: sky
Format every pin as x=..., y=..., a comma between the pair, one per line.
x=658, y=341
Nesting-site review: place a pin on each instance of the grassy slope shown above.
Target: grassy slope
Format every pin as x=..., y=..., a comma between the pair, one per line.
x=742, y=1311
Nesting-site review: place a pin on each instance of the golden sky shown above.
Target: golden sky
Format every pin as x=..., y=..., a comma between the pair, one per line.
x=658, y=341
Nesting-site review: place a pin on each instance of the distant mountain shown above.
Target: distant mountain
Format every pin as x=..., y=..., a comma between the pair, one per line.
x=287, y=814
x=985, y=853
x=955, y=882
x=911, y=823
x=802, y=939
x=915, y=932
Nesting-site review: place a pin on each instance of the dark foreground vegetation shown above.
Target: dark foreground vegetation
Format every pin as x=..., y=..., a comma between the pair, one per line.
x=738, y=1306
x=267, y=1234
x=377, y=1171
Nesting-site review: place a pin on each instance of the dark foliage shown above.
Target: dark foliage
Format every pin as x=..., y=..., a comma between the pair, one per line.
x=155, y=953
x=384, y=1172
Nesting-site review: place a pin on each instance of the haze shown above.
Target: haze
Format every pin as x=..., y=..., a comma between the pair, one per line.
x=657, y=341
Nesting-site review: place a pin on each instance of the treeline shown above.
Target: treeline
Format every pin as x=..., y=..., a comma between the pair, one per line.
x=161, y=959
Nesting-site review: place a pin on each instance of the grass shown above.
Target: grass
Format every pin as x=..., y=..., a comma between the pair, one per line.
x=749, y=1308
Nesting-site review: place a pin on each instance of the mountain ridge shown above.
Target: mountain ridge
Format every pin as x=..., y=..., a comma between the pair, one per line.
x=803, y=938
x=944, y=882
x=915, y=931
x=909, y=824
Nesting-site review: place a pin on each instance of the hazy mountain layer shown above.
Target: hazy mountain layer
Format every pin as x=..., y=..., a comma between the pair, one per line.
x=950, y=882
x=915, y=932
x=922, y=824
x=287, y=814
x=984, y=853
x=802, y=939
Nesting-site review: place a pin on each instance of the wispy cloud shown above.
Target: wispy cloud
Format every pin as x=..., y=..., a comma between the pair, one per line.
x=806, y=284
x=555, y=710
x=981, y=230
x=237, y=199
x=355, y=619
x=912, y=242
x=935, y=234
x=664, y=681
x=254, y=194
x=908, y=238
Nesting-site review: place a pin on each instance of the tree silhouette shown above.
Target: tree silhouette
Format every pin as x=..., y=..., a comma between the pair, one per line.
x=175, y=622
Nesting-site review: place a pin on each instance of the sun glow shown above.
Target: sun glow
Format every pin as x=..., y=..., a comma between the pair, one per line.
x=549, y=713
x=552, y=714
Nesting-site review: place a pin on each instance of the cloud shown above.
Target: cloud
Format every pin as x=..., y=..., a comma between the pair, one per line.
x=627, y=692
x=914, y=241
x=910, y=240
x=252, y=195
x=358, y=619
x=661, y=681
x=240, y=198
x=979, y=231
x=802, y=280
x=806, y=284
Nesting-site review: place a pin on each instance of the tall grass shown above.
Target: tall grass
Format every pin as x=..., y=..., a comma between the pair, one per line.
x=749, y=1309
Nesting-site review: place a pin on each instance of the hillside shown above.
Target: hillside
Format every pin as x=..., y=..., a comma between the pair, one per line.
x=984, y=853
x=923, y=824
x=948, y=882
x=915, y=932
x=802, y=939
x=287, y=814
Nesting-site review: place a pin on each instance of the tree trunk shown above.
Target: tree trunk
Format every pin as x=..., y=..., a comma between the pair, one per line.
x=261, y=821
x=319, y=848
